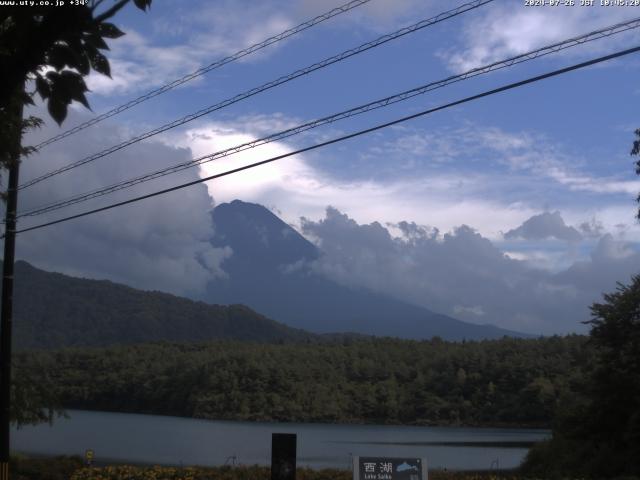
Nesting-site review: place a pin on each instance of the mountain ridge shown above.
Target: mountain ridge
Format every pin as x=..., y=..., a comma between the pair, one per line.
x=270, y=271
x=53, y=310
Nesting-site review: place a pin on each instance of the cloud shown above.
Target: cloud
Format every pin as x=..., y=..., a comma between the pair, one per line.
x=464, y=274
x=592, y=228
x=297, y=185
x=379, y=15
x=611, y=261
x=500, y=178
x=510, y=29
x=184, y=39
x=138, y=65
x=538, y=155
x=545, y=225
x=160, y=243
x=224, y=27
x=163, y=243
x=473, y=148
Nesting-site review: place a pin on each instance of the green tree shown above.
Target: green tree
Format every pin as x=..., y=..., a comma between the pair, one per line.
x=597, y=432
x=48, y=50
x=55, y=47
x=615, y=384
x=635, y=150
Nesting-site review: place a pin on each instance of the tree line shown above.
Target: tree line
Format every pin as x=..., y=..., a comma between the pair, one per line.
x=507, y=382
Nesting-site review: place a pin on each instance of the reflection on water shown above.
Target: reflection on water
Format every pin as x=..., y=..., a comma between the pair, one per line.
x=174, y=441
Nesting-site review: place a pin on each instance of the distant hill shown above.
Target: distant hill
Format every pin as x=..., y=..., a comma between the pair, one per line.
x=269, y=271
x=52, y=310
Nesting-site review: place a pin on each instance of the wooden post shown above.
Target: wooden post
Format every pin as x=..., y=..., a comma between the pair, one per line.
x=6, y=313
x=283, y=456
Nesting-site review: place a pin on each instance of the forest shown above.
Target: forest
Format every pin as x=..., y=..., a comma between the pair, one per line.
x=53, y=310
x=586, y=388
x=507, y=382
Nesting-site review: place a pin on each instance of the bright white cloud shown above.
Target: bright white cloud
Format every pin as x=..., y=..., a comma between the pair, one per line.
x=296, y=188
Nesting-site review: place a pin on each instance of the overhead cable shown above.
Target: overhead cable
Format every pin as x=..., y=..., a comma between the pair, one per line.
x=531, y=55
x=274, y=83
x=201, y=71
x=341, y=138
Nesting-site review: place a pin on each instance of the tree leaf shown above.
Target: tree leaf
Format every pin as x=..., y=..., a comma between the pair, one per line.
x=43, y=87
x=51, y=76
x=79, y=51
x=142, y=4
x=57, y=109
x=96, y=40
x=61, y=55
x=66, y=87
x=109, y=30
x=100, y=64
x=74, y=87
x=57, y=57
x=28, y=99
x=84, y=67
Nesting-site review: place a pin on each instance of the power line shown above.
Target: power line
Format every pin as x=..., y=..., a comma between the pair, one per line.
x=549, y=49
x=201, y=71
x=274, y=83
x=342, y=138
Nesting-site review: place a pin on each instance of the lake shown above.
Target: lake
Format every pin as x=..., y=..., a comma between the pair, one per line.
x=173, y=441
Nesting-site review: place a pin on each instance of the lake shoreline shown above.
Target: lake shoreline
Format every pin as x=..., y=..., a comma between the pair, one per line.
x=148, y=440
x=362, y=422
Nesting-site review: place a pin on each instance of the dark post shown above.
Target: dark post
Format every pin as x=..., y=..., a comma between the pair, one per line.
x=283, y=456
x=6, y=312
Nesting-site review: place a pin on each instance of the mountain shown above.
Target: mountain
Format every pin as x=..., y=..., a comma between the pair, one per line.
x=52, y=310
x=269, y=271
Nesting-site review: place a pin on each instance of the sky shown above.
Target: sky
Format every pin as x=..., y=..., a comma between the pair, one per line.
x=517, y=209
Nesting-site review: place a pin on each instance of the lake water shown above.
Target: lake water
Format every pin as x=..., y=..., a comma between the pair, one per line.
x=174, y=441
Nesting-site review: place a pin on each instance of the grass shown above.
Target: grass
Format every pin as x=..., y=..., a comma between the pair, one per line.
x=72, y=468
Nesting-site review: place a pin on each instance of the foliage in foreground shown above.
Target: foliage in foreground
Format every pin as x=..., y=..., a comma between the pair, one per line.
x=71, y=468
x=247, y=473
x=597, y=433
x=503, y=382
x=58, y=468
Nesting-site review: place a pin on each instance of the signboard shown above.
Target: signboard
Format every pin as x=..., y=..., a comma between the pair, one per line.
x=386, y=468
x=88, y=456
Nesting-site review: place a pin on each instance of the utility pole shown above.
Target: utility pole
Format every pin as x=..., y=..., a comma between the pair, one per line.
x=6, y=313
